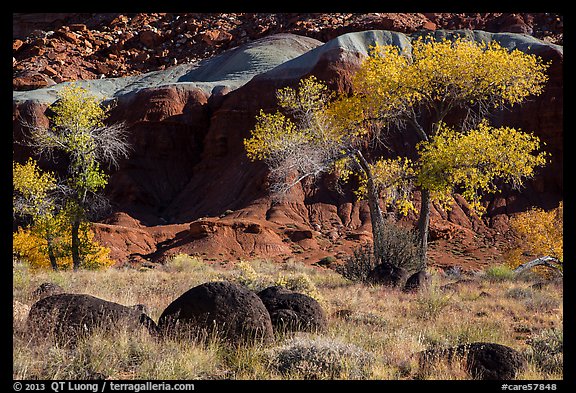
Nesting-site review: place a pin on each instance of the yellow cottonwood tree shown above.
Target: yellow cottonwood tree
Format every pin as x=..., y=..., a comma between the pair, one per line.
x=77, y=130
x=307, y=138
x=34, y=200
x=46, y=241
x=32, y=245
x=414, y=90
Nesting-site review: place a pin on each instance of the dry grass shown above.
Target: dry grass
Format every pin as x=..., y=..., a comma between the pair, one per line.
x=378, y=330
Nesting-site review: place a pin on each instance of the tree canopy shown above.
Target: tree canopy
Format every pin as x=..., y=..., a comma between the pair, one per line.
x=78, y=131
x=316, y=131
x=438, y=77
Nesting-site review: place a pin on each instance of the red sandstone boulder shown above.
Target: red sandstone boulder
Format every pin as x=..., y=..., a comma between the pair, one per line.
x=215, y=37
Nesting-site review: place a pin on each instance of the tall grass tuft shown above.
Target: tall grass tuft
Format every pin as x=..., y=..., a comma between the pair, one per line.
x=547, y=350
x=499, y=273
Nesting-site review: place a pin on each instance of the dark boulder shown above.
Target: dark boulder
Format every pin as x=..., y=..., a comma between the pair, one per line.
x=68, y=315
x=292, y=310
x=388, y=275
x=47, y=289
x=234, y=312
x=492, y=361
x=418, y=281
x=285, y=320
x=485, y=361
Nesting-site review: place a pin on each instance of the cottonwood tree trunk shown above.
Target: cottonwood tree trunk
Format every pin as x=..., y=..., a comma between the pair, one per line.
x=424, y=218
x=51, y=254
x=423, y=225
x=376, y=216
x=75, y=244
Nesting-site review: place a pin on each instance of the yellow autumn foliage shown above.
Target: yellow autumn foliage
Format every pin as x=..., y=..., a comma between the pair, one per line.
x=304, y=121
x=77, y=109
x=311, y=96
x=29, y=180
x=472, y=161
x=32, y=248
x=393, y=178
x=446, y=74
x=539, y=233
x=273, y=132
x=412, y=89
x=32, y=185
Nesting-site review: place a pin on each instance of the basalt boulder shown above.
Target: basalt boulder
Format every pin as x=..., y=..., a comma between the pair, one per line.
x=388, y=275
x=67, y=316
x=418, y=281
x=229, y=310
x=485, y=361
x=292, y=310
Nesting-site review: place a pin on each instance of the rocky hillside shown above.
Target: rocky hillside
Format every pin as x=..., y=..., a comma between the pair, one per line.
x=57, y=47
x=191, y=100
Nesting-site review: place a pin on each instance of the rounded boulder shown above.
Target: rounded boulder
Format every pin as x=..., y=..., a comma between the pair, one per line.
x=418, y=281
x=491, y=361
x=230, y=310
x=292, y=310
x=67, y=315
x=388, y=275
x=483, y=361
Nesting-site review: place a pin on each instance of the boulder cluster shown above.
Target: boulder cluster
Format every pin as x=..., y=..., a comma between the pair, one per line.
x=228, y=310
x=235, y=315
x=52, y=48
x=394, y=276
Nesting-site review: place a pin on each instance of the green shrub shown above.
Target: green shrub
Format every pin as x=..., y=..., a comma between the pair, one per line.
x=327, y=260
x=547, y=349
x=398, y=247
x=300, y=282
x=359, y=264
x=520, y=293
x=250, y=278
x=541, y=302
x=430, y=304
x=499, y=273
x=257, y=280
x=186, y=263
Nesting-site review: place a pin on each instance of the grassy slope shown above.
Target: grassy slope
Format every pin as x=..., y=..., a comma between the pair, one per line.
x=372, y=333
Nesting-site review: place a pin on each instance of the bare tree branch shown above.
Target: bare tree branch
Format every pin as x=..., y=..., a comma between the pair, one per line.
x=111, y=143
x=547, y=261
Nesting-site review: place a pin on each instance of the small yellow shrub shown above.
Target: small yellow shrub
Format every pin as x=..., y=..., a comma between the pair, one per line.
x=299, y=282
x=248, y=276
x=33, y=249
x=538, y=233
x=30, y=247
x=257, y=281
